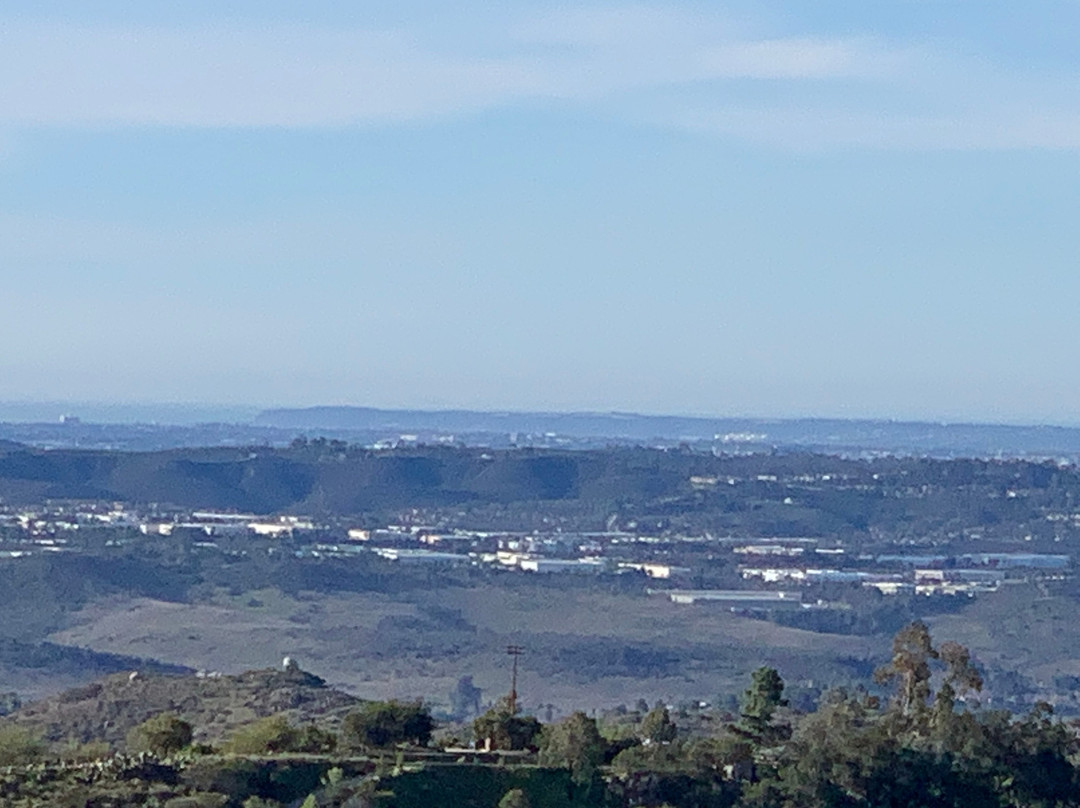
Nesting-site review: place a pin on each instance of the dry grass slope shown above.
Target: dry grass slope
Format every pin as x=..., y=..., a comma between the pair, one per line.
x=105, y=710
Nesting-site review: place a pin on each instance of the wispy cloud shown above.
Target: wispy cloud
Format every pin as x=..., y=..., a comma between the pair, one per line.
x=644, y=63
x=217, y=77
x=651, y=45
x=801, y=129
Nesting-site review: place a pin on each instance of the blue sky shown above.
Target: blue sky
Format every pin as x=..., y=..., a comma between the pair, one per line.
x=805, y=208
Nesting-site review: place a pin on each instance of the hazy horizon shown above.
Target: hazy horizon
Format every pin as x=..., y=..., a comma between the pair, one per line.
x=181, y=413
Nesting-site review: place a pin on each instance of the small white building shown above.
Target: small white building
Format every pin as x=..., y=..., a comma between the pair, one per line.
x=656, y=570
x=549, y=565
x=734, y=597
x=410, y=556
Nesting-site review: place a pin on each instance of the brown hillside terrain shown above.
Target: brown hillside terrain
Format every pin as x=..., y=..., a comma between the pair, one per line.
x=105, y=710
x=585, y=650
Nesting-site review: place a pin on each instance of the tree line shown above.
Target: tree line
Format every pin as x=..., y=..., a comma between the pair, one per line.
x=917, y=735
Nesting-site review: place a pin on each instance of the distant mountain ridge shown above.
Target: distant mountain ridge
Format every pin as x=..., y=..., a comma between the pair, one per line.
x=373, y=427
x=577, y=424
x=811, y=433
x=513, y=484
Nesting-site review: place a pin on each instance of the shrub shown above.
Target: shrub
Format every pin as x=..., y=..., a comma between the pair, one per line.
x=275, y=735
x=239, y=778
x=575, y=744
x=380, y=724
x=19, y=746
x=657, y=726
x=505, y=730
x=163, y=734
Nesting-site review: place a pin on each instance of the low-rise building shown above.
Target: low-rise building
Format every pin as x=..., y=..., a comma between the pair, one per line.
x=656, y=570
x=549, y=565
x=411, y=556
x=735, y=597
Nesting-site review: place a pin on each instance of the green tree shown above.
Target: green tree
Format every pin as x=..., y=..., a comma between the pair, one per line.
x=504, y=730
x=831, y=752
x=909, y=668
x=657, y=726
x=916, y=711
x=761, y=701
x=379, y=724
x=515, y=798
x=922, y=750
x=275, y=735
x=961, y=677
x=669, y=758
x=726, y=756
x=163, y=734
x=575, y=744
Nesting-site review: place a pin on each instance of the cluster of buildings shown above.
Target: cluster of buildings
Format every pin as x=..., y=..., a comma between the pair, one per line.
x=61, y=527
x=770, y=570
x=761, y=573
x=588, y=553
x=212, y=523
x=49, y=529
x=784, y=562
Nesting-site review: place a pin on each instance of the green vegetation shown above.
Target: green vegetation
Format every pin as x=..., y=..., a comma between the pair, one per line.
x=163, y=735
x=515, y=798
x=378, y=725
x=500, y=728
x=484, y=786
x=18, y=746
x=760, y=703
x=574, y=744
x=926, y=742
x=275, y=735
x=657, y=726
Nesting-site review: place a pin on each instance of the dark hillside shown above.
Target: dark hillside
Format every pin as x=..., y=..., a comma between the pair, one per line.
x=271, y=480
x=65, y=660
x=508, y=477
x=764, y=494
x=37, y=593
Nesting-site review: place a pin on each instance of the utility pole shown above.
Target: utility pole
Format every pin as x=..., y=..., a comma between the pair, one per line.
x=514, y=651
